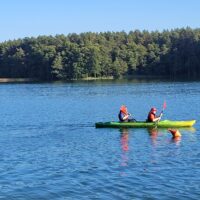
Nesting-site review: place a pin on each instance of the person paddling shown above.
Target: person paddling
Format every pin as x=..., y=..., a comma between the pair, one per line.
x=152, y=116
x=124, y=115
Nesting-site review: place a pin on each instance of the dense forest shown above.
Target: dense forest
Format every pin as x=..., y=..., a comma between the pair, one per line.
x=171, y=53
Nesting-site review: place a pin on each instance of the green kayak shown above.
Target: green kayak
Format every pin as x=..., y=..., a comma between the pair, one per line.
x=142, y=124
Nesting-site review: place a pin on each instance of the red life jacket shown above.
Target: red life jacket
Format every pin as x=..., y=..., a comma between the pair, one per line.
x=151, y=116
x=122, y=113
x=124, y=110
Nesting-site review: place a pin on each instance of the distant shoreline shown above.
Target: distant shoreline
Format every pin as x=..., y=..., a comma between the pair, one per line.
x=23, y=80
x=135, y=77
x=91, y=56
x=17, y=80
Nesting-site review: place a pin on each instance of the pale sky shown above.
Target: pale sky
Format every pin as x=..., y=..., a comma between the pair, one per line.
x=26, y=18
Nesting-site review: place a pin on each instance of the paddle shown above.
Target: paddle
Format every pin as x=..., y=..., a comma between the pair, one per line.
x=164, y=106
x=161, y=114
x=132, y=119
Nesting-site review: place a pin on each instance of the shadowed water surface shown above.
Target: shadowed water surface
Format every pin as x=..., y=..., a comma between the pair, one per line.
x=50, y=148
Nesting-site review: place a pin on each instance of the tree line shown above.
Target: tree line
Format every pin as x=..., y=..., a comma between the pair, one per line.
x=171, y=53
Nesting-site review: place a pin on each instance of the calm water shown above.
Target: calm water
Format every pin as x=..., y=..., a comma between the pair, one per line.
x=50, y=148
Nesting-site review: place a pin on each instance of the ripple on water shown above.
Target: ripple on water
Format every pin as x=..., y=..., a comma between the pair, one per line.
x=49, y=152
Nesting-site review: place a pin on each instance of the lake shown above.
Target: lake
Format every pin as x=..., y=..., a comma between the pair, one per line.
x=50, y=148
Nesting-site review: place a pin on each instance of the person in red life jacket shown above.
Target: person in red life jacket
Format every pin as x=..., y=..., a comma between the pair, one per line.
x=124, y=116
x=152, y=116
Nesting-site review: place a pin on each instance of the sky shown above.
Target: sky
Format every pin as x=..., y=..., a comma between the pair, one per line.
x=27, y=18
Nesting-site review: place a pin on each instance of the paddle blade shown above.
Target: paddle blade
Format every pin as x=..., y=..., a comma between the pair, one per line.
x=164, y=105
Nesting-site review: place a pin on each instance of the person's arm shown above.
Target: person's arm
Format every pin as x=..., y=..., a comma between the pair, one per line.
x=125, y=117
x=156, y=119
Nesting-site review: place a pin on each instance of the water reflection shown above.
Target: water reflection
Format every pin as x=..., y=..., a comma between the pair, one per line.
x=174, y=134
x=176, y=140
x=153, y=133
x=188, y=129
x=124, y=137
